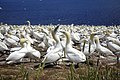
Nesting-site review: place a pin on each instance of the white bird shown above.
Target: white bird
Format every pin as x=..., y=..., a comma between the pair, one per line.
x=15, y=49
x=38, y=35
x=112, y=46
x=75, y=37
x=3, y=46
x=116, y=41
x=9, y=41
x=3, y=49
x=17, y=55
x=115, y=48
x=91, y=45
x=111, y=33
x=102, y=50
x=14, y=37
x=73, y=54
x=1, y=36
x=26, y=50
x=29, y=38
x=31, y=52
x=56, y=52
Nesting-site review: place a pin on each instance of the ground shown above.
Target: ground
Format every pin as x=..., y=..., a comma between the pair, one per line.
x=84, y=71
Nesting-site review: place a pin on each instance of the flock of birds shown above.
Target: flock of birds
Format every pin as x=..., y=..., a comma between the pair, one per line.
x=58, y=42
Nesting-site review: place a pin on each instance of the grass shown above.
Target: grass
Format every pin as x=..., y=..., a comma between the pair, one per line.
x=84, y=72
x=94, y=73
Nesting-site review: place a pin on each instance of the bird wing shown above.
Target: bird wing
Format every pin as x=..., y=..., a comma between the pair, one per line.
x=15, y=56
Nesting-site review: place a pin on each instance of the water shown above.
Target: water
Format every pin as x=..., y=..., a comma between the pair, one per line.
x=89, y=12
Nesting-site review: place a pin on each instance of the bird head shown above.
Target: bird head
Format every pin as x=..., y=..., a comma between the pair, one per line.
x=22, y=41
x=28, y=22
x=92, y=35
x=67, y=34
x=54, y=34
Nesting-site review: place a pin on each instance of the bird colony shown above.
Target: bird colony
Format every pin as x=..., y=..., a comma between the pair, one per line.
x=55, y=44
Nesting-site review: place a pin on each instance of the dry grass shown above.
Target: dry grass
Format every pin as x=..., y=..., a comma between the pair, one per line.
x=27, y=71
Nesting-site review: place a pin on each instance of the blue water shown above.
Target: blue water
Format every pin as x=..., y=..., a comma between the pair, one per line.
x=89, y=12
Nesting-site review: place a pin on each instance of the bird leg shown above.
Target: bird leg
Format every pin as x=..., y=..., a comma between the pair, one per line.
x=118, y=60
x=87, y=60
x=98, y=60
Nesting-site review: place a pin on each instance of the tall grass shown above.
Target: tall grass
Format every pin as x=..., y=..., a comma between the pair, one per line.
x=84, y=72
x=94, y=73
x=24, y=73
x=39, y=71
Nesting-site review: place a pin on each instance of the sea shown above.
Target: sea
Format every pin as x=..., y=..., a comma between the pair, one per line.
x=45, y=12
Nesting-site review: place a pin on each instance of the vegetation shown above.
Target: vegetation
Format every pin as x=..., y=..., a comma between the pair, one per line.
x=26, y=71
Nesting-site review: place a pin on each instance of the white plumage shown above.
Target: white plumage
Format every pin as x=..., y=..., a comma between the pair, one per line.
x=73, y=54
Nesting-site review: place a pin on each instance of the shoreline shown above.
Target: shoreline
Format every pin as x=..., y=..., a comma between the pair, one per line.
x=59, y=24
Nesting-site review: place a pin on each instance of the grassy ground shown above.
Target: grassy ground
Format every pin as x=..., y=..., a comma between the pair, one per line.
x=27, y=71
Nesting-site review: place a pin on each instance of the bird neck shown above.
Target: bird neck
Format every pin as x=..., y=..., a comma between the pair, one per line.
x=28, y=43
x=97, y=42
x=58, y=45
x=92, y=37
x=68, y=39
x=25, y=44
x=56, y=38
x=54, y=35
